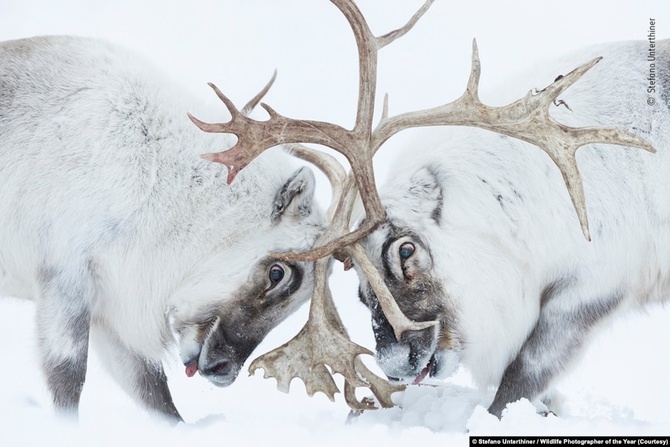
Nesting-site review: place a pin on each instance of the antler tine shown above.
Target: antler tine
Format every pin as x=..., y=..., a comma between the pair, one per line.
x=390, y=37
x=234, y=164
x=368, y=48
x=472, y=89
x=381, y=388
x=385, y=107
x=253, y=102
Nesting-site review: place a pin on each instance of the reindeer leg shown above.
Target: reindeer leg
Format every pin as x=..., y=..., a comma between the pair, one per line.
x=152, y=389
x=562, y=327
x=63, y=321
x=142, y=378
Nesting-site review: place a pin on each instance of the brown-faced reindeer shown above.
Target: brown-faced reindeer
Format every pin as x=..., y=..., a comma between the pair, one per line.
x=402, y=277
x=111, y=221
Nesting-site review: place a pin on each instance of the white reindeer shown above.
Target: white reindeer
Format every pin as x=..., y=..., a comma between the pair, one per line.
x=481, y=236
x=111, y=221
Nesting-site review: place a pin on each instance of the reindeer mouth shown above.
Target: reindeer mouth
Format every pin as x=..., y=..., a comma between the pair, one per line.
x=429, y=369
x=221, y=372
x=192, y=367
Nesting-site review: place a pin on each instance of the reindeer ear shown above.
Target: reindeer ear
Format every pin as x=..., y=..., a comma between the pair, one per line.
x=426, y=193
x=294, y=199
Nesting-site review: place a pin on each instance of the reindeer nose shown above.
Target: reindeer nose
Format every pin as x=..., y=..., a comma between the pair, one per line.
x=219, y=367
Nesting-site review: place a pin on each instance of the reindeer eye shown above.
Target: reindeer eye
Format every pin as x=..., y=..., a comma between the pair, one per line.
x=276, y=274
x=406, y=251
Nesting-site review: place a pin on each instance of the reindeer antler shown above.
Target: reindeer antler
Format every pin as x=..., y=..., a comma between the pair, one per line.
x=527, y=119
x=323, y=340
x=254, y=137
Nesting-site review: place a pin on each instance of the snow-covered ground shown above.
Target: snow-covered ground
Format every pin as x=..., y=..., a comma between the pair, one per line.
x=620, y=387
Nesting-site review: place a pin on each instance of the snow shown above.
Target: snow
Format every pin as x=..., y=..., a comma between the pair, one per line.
x=620, y=386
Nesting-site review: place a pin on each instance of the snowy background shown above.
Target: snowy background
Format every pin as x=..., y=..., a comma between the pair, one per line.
x=622, y=385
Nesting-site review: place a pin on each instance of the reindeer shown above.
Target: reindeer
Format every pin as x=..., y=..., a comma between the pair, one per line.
x=480, y=236
x=475, y=256
x=112, y=222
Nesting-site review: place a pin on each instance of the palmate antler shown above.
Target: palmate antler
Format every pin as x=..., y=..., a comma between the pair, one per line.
x=527, y=119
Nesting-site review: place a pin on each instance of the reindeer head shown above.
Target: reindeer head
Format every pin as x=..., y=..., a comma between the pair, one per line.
x=400, y=249
x=218, y=329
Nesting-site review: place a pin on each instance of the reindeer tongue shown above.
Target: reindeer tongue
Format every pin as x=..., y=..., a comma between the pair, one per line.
x=422, y=375
x=191, y=369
